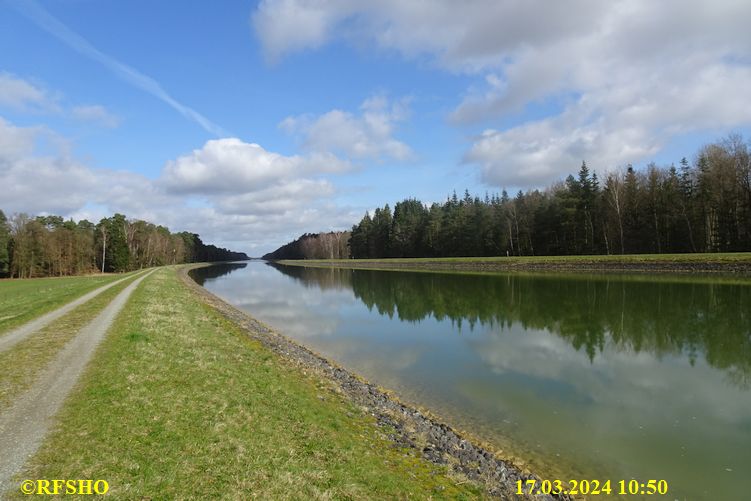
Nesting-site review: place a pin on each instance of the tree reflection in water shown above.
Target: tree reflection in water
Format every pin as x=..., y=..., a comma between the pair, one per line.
x=593, y=313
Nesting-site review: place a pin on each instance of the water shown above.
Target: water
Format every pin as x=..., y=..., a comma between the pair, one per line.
x=574, y=377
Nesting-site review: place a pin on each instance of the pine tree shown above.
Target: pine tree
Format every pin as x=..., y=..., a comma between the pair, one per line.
x=380, y=243
x=358, y=241
x=585, y=203
x=4, y=245
x=113, y=242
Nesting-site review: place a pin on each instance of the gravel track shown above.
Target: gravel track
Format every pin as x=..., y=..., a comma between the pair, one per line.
x=24, y=425
x=10, y=339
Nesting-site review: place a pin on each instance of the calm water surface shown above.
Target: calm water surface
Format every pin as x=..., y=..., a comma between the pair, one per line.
x=575, y=377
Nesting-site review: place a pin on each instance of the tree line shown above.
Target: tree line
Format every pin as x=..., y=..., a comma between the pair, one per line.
x=331, y=245
x=51, y=246
x=702, y=206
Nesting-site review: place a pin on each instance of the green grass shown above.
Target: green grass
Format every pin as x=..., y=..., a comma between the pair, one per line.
x=180, y=404
x=23, y=300
x=26, y=360
x=656, y=266
x=727, y=257
x=726, y=278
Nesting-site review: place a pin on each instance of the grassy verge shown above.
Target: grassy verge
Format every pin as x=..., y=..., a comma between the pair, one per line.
x=728, y=278
x=727, y=257
x=23, y=300
x=26, y=360
x=180, y=404
x=730, y=264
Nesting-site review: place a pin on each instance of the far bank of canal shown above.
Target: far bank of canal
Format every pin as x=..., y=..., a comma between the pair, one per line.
x=612, y=377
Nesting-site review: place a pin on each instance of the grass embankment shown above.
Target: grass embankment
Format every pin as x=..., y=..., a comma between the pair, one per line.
x=735, y=262
x=180, y=404
x=23, y=300
x=25, y=361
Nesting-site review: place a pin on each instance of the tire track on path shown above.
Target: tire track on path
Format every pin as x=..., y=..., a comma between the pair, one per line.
x=24, y=425
x=13, y=337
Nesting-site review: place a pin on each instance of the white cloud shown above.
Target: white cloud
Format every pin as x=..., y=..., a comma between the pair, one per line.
x=257, y=197
x=323, y=162
x=15, y=142
x=609, y=82
x=227, y=166
x=96, y=114
x=612, y=126
x=254, y=233
x=42, y=177
x=368, y=135
x=22, y=95
x=232, y=166
x=467, y=36
x=19, y=94
x=232, y=193
x=280, y=198
x=286, y=26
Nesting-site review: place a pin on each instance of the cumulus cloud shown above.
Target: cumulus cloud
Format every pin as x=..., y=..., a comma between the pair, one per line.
x=286, y=26
x=22, y=95
x=611, y=82
x=96, y=114
x=468, y=37
x=226, y=166
x=42, y=177
x=367, y=135
x=232, y=166
x=283, y=197
x=540, y=152
x=232, y=193
x=257, y=233
x=615, y=125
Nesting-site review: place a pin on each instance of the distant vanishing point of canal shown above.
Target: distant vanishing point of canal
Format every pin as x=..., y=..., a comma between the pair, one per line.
x=575, y=377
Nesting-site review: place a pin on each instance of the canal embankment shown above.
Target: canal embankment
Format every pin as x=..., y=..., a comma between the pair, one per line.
x=406, y=425
x=736, y=264
x=179, y=402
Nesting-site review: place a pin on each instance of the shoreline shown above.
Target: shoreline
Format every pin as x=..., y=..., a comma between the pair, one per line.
x=715, y=265
x=411, y=427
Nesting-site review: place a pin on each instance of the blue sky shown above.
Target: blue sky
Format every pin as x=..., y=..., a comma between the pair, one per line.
x=251, y=123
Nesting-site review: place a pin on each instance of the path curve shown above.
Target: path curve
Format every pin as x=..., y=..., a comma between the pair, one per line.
x=11, y=338
x=24, y=425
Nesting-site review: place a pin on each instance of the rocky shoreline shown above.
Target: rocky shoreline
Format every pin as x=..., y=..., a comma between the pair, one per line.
x=436, y=441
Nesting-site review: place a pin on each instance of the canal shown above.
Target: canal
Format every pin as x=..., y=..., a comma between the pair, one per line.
x=572, y=376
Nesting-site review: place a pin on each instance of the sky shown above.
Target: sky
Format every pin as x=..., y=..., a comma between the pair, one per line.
x=251, y=123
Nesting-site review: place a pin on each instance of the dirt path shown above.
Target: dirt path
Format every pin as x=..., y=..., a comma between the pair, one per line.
x=11, y=338
x=25, y=424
